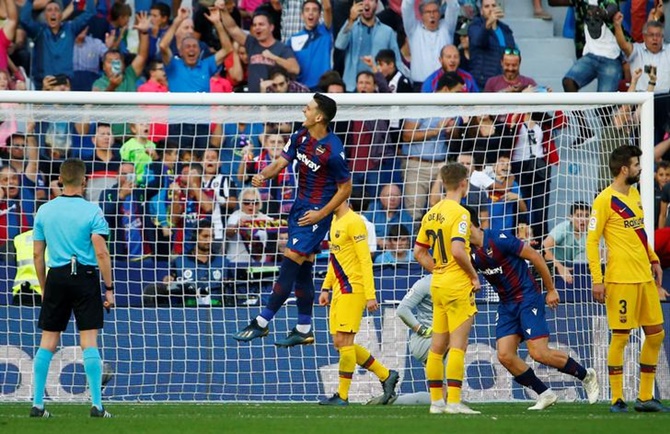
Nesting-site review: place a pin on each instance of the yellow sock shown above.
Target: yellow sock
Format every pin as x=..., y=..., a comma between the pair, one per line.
x=435, y=375
x=455, y=373
x=367, y=361
x=648, y=361
x=615, y=352
x=347, y=366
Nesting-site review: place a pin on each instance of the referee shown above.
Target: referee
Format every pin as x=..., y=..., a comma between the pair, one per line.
x=75, y=232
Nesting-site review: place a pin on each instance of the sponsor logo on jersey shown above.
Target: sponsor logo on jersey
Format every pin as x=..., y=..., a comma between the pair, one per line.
x=304, y=159
x=634, y=223
x=593, y=222
x=492, y=271
x=360, y=237
x=287, y=146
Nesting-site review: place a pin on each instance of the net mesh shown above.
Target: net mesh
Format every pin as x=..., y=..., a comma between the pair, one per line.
x=169, y=338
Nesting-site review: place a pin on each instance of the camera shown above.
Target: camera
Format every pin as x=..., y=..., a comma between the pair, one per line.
x=649, y=69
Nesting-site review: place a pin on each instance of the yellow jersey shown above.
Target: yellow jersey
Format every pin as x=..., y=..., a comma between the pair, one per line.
x=445, y=223
x=620, y=220
x=350, y=263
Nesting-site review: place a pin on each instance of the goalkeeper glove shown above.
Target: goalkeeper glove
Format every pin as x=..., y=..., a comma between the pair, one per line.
x=424, y=332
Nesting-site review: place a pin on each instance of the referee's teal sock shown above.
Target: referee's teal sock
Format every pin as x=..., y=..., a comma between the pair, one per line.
x=93, y=368
x=40, y=371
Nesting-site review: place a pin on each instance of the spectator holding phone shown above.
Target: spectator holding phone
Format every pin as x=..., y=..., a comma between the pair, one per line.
x=116, y=76
x=652, y=55
x=54, y=39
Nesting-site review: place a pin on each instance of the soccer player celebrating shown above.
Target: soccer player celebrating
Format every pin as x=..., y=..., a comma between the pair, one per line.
x=324, y=183
x=350, y=279
x=631, y=287
x=501, y=258
x=75, y=232
x=446, y=229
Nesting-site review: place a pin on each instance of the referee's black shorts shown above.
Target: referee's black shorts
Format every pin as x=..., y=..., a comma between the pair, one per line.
x=65, y=294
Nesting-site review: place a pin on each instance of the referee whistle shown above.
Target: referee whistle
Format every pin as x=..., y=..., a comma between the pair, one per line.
x=73, y=265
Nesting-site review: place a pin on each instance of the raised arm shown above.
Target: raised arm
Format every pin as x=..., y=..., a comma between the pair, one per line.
x=625, y=45
x=214, y=17
x=12, y=19
x=233, y=29
x=409, y=19
x=327, y=13
x=143, y=26
x=31, y=26
x=166, y=40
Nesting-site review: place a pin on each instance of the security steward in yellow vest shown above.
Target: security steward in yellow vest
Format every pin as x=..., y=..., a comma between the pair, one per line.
x=26, y=290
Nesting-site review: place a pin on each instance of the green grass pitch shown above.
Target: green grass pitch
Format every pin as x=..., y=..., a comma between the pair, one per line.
x=270, y=418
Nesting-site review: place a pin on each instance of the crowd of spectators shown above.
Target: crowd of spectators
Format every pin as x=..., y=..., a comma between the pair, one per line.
x=157, y=182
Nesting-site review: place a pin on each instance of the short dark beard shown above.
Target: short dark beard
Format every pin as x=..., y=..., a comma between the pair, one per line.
x=630, y=180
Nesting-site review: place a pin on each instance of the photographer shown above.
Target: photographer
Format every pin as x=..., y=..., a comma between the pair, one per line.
x=196, y=277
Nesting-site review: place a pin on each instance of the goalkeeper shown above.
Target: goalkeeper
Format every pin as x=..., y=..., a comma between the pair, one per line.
x=416, y=311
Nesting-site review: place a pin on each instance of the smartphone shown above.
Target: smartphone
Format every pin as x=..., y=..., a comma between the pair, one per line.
x=541, y=89
x=116, y=67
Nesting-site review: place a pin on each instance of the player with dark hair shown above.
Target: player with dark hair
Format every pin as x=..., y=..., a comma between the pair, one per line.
x=631, y=288
x=324, y=183
x=75, y=232
x=446, y=230
x=350, y=279
x=501, y=259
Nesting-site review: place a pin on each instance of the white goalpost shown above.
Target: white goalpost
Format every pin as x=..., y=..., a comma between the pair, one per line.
x=169, y=339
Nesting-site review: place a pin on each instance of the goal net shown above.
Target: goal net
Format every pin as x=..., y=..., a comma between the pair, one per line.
x=196, y=250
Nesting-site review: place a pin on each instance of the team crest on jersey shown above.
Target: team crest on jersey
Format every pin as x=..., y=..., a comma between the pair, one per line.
x=337, y=234
x=216, y=274
x=489, y=252
x=188, y=274
x=320, y=150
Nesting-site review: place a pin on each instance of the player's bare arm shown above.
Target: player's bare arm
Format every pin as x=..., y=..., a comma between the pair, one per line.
x=463, y=260
x=40, y=267
x=314, y=216
x=269, y=172
x=540, y=265
x=423, y=257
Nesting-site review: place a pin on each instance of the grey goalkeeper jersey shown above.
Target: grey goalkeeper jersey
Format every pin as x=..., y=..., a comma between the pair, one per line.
x=417, y=305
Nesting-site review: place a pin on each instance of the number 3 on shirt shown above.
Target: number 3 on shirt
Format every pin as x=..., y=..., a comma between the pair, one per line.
x=438, y=238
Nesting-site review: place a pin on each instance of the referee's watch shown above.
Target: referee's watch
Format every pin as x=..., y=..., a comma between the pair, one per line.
x=109, y=288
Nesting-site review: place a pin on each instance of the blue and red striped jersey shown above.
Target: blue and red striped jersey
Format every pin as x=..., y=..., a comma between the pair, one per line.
x=499, y=262
x=321, y=166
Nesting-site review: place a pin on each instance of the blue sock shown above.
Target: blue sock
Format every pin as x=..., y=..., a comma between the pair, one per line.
x=529, y=379
x=40, y=370
x=93, y=368
x=304, y=293
x=573, y=368
x=288, y=272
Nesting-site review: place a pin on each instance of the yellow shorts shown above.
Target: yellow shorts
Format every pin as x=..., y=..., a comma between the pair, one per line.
x=631, y=305
x=346, y=313
x=451, y=308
